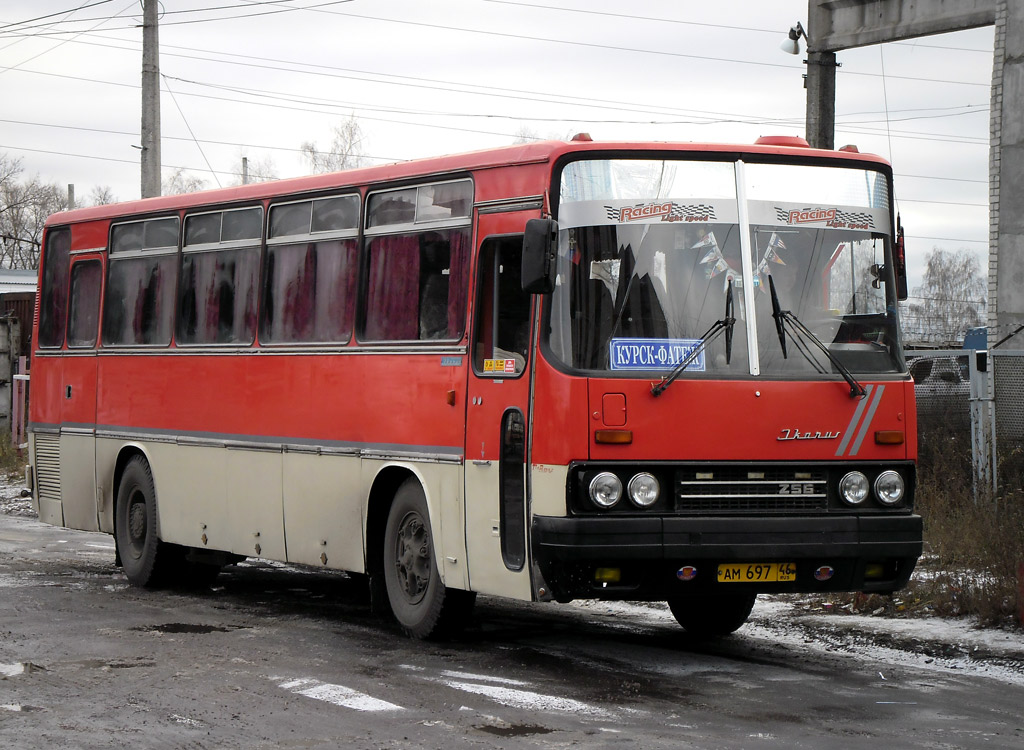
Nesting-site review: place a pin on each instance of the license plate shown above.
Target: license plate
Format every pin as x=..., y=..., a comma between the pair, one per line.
x=756, y=572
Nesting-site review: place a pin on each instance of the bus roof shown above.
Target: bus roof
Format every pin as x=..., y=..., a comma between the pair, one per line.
x=526, y=153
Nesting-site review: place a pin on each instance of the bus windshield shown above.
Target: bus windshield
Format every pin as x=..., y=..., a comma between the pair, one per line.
x=648, y=251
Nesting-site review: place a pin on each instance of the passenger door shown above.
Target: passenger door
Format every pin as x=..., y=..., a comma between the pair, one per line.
x=78, y=408
x=498, y=418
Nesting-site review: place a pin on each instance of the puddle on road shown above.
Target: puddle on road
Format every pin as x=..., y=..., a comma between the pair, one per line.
x=175, y=628
x=514, y=730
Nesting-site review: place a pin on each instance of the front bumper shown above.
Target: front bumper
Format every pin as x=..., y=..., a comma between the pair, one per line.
x=863, y=553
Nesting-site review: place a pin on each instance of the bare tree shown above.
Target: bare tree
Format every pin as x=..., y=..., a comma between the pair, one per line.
x=101, y=195
x=950, y=300
x=259, y=170
x=343, y=153
x=181, y=181
x=24, y=207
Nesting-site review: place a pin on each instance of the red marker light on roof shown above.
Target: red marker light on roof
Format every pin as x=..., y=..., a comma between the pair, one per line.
x=793, y=141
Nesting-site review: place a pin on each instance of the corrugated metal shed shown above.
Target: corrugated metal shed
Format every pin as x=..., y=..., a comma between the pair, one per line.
x=18, y=298
x=16, y=280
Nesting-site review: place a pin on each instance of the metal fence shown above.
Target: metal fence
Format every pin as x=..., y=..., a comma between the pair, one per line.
x=997, y=418
x=976, y=394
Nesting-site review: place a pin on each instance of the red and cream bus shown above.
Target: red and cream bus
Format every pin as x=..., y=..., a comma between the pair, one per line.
x=558, y=370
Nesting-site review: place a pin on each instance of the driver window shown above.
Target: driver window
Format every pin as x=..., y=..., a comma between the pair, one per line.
x=502, y=330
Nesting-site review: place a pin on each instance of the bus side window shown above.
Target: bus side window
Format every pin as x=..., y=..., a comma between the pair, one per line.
x=219, y=277
x=138, y=307
x=84, y=305
x=502, y=329
x=54, y=304
x=417, y=261
x=417, y=286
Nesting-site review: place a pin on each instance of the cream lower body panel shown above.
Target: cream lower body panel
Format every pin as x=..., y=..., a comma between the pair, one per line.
x=488, y=572
x=442, y=486
x=298, y=506
x=63, y=466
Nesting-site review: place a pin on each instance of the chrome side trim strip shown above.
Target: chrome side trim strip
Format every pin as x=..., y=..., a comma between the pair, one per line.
x=503, y=205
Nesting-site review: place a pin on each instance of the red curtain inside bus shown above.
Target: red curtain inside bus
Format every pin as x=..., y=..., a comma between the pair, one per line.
x=417, y=286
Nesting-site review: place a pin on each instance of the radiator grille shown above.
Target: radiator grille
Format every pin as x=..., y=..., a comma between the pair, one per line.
x=47, y=467
x=718, y=489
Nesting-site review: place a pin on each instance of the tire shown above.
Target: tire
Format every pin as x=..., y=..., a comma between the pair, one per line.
x=712, y=616
x=421, y=604
x=144, y=558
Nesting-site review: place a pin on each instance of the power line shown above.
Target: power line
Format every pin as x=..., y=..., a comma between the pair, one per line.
x=932, y=177
x=181, y=12
x=663, y=20
x=594, y=45
x=135, y=162
x=58, y=13
x=660, y=20
x=947, y=239
x=740, y=119
x=289, y=149
x=61, y=44
x=189, y=127
x=209, y=167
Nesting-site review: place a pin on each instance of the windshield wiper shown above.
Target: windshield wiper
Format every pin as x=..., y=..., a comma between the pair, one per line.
x=725, y=324
x=801, y=331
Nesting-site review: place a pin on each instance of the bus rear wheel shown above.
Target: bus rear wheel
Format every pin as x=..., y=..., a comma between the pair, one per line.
x=710, y=616
x=143, y=556
x=423, y=606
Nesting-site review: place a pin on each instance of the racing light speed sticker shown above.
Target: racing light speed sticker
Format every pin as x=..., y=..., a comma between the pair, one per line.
x=653, y=354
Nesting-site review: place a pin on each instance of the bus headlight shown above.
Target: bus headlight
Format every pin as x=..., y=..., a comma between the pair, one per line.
x=605, y=490
x=644, y=490
x=854, y=488
x=889, y=488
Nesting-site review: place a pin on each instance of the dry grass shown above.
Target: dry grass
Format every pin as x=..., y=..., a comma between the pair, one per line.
x=974, y=548
x=12, y=461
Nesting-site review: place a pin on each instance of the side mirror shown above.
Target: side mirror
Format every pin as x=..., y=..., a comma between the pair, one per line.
x=901, y=263
x=540, y=247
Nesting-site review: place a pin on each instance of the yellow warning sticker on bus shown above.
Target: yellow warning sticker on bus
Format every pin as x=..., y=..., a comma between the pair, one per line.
x=500, y=365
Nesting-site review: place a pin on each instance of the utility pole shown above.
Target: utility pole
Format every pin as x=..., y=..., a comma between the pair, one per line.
x=821, y=98
x=150, y=101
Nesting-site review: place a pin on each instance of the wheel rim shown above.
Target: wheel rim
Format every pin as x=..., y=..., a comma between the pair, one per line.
x=138, y=524
x=412, y=557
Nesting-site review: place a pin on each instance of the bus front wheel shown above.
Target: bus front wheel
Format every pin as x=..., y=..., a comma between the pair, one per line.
x=423, y=606
x=143, y=556
x=712, y=616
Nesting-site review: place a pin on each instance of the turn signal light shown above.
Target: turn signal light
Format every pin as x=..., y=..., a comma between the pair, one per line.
x=889, y=437
x=619, y=437
x=874, y=571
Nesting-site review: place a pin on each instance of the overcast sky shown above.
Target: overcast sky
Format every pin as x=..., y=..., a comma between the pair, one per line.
x=256, y=78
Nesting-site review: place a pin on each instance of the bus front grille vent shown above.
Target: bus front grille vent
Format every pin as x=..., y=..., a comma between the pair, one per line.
x=751, y=490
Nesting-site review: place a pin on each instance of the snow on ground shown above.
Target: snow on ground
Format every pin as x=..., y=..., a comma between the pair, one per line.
x=11, y=501
x=926, y=642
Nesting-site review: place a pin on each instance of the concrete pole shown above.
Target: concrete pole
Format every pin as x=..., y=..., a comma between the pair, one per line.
x=821, y=99
x=71, y=196
x=150, y=101
x=245, y=170
x=1006, y=252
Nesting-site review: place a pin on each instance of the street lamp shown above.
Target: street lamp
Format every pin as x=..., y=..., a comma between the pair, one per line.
x=792, y=44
